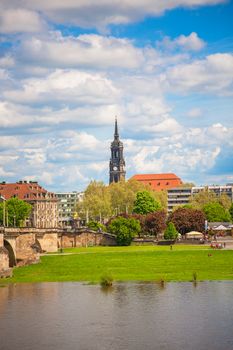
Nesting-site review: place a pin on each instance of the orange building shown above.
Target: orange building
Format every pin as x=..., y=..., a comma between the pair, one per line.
x=159, y=182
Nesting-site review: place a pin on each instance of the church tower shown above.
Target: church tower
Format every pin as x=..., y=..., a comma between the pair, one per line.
x=117, y=162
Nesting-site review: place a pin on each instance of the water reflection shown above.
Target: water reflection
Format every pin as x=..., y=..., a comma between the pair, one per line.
x=125, y=316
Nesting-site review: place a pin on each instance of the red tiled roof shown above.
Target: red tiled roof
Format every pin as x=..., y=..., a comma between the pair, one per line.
x=166, y=176
x=159, y=182
x=25, y=190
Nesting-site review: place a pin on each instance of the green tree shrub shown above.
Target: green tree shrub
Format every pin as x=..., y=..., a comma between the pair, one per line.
x=170, y=232
x=145, y=203
x=231, y=211
x=215, y=212
x=124, y=229
x=16, y=211
x=96, y=226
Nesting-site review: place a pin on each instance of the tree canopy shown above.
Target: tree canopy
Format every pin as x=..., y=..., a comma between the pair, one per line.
x=215, y=212
x=124, y=229
x=101, y=201
x=16, y=211
x=199, y=200
x=170, y=232
x=145, y=203
x=155, y=223
x=187, y=219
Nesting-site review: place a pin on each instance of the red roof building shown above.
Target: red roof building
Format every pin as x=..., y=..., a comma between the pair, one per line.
x=44, y=204
x=159, y=182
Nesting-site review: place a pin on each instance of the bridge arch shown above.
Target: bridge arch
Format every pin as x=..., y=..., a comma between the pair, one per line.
x=11, y=254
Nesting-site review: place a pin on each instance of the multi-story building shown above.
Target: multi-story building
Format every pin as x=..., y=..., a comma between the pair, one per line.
x=181, y=196
x=44, y=204
x=178, y=196
x=158, y=182
x=67, y=202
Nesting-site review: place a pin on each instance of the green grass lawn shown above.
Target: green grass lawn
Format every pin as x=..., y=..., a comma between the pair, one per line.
x=135, y=263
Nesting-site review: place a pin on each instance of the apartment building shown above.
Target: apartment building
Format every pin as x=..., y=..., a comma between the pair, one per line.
x=67, y=202
x=44, y=204
x=180, y=196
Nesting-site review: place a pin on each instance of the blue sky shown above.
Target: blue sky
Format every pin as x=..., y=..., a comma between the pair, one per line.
x=165, y=68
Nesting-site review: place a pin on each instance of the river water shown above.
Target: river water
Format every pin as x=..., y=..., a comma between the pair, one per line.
x=129, y=316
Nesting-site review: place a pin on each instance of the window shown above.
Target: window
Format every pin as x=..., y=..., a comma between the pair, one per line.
x=158, y=184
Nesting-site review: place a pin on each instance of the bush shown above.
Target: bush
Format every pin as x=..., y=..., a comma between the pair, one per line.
x=170, y=232
x=106, y=281
x=96, y=226
x=124, y=229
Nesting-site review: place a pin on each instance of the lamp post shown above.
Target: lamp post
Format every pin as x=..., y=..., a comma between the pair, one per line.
x=61, y=251
x=4, y=211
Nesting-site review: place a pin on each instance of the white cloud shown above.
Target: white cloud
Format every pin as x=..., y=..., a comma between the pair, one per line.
x=90, y=13
x=214, y=74
x=191, y=42
x=83, y=51
x=65, y=86
x=3, y=172
x=6, y=61
x=18, y=20
x=194, y=112
x=3, y=74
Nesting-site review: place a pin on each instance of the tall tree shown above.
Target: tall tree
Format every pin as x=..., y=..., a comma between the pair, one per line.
x=155, y=223
x=186, y=220
x=231, y=211
x=215, y=212
x=145, y=203
x=96, y=203
x=16, y=211
x=123, y=195
x=170, y=232
x=199, y=200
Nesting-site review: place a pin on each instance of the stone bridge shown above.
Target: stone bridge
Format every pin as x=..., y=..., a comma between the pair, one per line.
x=21, y=246
x=84, y=237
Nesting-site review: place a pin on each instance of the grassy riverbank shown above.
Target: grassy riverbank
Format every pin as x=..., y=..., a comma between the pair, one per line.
x=136, y=263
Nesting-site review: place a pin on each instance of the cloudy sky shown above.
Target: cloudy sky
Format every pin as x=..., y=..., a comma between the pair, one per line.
x=164, y=67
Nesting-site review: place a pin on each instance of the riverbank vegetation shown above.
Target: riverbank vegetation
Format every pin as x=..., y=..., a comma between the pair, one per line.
x=134, y=263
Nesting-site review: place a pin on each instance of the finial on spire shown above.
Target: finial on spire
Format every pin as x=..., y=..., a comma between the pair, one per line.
x=116, y=135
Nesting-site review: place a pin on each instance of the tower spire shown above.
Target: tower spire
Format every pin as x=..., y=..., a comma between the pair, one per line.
x=116, y=134
x=117, y=162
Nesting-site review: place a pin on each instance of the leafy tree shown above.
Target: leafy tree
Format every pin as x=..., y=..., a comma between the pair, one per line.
x=16, y=211
x=225, y=201
x=231, y=211
x=187, y=219
x=145, y=203
x=124, y=229
x=199, y=200
x=215, y=212
x=123, y=195
x=96, y=226
x=170, y=232
x=155, y=223
x=96, y=202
